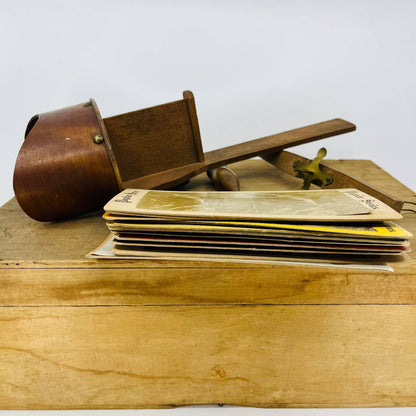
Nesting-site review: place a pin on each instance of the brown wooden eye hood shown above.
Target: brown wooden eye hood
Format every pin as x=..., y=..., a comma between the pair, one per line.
x=72, y=161
x=61, y=171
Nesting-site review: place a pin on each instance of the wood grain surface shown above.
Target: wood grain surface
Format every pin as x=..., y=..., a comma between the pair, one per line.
x=72, y=160
x=180, y=173
x=77, y=333
x=60, y=171
x=166, y=356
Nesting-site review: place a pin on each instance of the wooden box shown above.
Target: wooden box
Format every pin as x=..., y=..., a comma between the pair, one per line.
x=80, y=333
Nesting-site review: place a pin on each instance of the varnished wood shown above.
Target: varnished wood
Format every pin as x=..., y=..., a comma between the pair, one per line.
x=108, y=145
x=60, y=171
x=83, y=333
x=270, y=144
x=190, y=101
x=277, y=142
x=152, y=140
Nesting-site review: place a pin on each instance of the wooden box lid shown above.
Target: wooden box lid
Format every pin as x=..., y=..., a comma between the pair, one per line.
x=45, y=263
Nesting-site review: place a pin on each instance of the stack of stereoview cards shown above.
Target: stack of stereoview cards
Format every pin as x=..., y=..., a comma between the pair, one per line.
x=336, y=226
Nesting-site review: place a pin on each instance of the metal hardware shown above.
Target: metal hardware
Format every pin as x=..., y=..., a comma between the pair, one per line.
x=311, y=172
x=98, y=139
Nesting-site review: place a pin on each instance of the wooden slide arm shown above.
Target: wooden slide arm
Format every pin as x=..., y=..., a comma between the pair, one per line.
x=242, y=151
x=277, y=142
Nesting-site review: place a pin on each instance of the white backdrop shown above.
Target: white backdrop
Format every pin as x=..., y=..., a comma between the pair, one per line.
x=255, y=67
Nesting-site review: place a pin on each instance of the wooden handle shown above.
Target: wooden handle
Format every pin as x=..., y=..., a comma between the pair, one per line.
x=224, y=179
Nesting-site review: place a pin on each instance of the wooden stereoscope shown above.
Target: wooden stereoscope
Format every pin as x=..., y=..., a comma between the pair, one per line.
x=73, y=161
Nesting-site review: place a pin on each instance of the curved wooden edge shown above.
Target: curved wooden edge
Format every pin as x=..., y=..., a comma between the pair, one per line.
x=60, y=171
x=107, y=143
x=190, y=101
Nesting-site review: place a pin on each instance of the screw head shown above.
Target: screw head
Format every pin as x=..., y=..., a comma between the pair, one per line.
x=98, y=139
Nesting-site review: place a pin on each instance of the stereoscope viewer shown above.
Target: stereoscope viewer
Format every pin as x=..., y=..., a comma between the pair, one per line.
x=73, y=161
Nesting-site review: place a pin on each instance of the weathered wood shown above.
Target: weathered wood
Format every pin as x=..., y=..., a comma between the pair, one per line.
x=82, y=333
x=22, y=239
x=67, y=284
x=165, y=356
